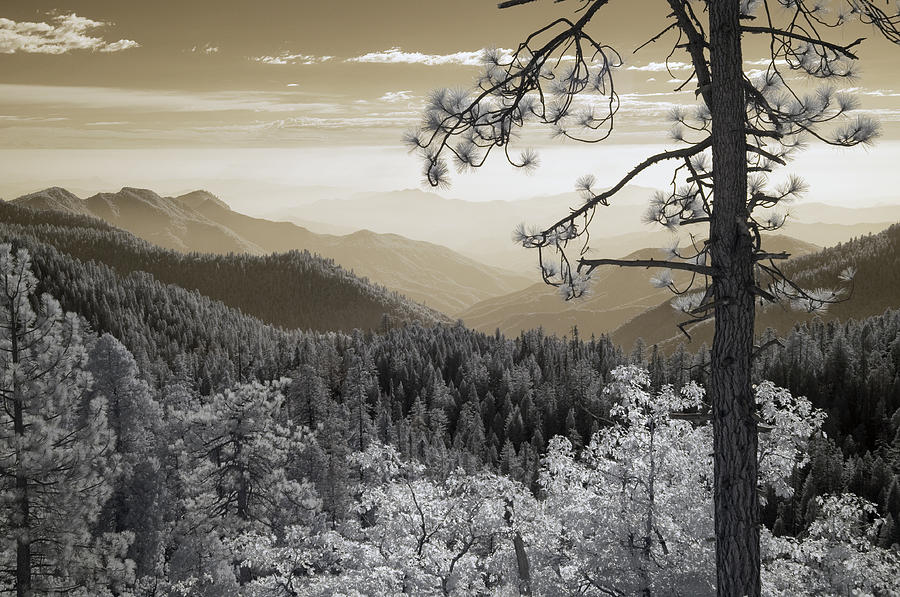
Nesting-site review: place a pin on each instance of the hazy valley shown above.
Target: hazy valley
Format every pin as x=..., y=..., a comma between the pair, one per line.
x=456, y=279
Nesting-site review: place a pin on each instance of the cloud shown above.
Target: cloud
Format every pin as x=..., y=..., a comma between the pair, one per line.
x=288, y=58
x=659, y=67
x=6, y=118
x=350, y=122
x=207, y=49
x=765, y=62
x=399, y=56
x=674, y=65
x=63, y=34
x=882, y=114
x=141, y=100
x=881, y=93
x=397, y=96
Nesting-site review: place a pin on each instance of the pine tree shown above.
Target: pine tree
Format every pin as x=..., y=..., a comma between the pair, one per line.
x=306, y=398
x=562, y=75
x=57, y=460
x=359, y=385
x=237, y=477
x=138, y=499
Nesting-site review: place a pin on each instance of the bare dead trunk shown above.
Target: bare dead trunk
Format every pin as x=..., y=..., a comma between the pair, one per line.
x=735, y=433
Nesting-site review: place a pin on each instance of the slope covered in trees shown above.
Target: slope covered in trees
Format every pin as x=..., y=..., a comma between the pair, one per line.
x=374, y=467
x=293, y=290
x=199, y=221
x=368, y=428
x=876, y=287
x=616, y=296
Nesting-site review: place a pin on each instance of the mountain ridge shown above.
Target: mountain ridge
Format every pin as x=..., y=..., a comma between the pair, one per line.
x=482, y=229
x=876, y=287
x=293, y=290
x=200, y=221
x=615, y=296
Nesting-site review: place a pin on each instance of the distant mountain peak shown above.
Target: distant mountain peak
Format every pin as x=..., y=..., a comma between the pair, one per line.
x=202, y=198
x=143, y=194
x=54, y=198
x=199, y=221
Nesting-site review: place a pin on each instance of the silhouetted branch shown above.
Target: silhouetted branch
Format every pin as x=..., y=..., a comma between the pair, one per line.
x=842, y=49
x=647, y=263
x=601, y=198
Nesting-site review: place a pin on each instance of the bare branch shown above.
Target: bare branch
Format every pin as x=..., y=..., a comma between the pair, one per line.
x=841, y=49
x=591, y=264
x=601, y=198
x=511, y=3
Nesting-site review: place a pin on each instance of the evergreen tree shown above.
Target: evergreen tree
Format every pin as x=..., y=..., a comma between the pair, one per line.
x=741, y=130
x=139, y=494
x=359, y=387
x=237, y=479
x=57, y=461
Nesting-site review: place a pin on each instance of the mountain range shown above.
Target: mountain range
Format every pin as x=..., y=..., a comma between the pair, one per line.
x=293, y=290
x=199, y=221
x=485, y=297
x=616, y=295
x=482, y=230
x=875, y=288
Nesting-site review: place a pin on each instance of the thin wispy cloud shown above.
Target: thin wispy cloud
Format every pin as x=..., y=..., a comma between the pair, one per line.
x=881, y=114
x=207, y=49
x=288, y=58
x=881, y=93
x=64, y=33
x=397, y=96
x=660, y=67
x=349, y=122
x=13, y=118
x=766, y=62
x=400, y=56
x=137, y=100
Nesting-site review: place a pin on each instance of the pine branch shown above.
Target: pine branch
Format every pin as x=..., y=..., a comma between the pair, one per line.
x=654, y=159
x=845, y=50
x=647, y=263
x=511, y=3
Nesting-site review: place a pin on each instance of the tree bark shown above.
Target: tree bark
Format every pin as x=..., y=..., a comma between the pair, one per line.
x=735, y=433
x=23, y=507
x=522, y=566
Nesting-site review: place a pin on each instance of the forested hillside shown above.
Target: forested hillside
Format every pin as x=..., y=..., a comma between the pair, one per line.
x=434, y=460
x=876, y=287
x=199, y=221
x=293, y=290
x=427, y=460
x=617, y=295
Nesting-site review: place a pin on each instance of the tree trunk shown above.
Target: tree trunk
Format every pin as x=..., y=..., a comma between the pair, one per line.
x=245, y=573
x=23, y=507
x=23, y=538
x=522, y=566
x=735, y=433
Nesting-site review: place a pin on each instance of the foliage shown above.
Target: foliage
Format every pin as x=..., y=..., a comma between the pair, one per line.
x=442, y=461
x=57, y=452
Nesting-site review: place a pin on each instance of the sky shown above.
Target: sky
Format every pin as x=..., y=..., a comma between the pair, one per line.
x=280, y=98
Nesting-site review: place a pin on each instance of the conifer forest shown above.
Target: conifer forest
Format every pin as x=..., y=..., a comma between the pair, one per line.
x=331, y=384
